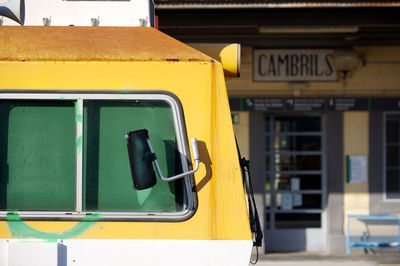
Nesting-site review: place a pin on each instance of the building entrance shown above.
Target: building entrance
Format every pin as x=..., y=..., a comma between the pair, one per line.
x=295, y=181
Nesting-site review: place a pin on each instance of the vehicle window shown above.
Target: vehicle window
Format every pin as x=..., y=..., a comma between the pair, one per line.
x=107, y=177
x=68, y=154
x=37, y=155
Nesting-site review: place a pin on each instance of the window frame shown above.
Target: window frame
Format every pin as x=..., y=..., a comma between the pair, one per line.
x=384, y=195
x=79, y=213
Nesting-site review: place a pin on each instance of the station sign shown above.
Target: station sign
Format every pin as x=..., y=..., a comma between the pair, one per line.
x=293, y=65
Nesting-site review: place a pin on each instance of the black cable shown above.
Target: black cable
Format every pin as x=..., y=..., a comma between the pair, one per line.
x=255, y=225
x=258, y=231
x=255, y=262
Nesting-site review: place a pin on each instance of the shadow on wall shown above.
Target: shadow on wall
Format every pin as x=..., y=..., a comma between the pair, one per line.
x=206, y=160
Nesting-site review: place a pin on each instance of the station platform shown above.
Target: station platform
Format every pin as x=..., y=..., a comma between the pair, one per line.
x=320, y=258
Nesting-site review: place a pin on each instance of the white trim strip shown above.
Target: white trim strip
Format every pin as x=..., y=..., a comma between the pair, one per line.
x=79, y=154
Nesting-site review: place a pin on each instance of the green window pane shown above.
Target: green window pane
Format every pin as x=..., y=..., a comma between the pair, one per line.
x=37, y=156
x=107, y=178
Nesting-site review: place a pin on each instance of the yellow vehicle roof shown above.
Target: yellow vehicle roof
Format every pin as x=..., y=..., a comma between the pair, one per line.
x=73, y=43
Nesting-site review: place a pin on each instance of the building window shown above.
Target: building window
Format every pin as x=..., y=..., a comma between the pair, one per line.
x=392, y=156
x=66, y=156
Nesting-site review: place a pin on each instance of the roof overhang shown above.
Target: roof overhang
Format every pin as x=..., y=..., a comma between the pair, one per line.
x=238, y=4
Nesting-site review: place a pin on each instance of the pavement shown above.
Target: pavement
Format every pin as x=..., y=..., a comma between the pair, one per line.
x=318, y=259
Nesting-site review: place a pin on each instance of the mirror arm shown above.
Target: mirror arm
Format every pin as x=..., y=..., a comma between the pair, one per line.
x=196, y=158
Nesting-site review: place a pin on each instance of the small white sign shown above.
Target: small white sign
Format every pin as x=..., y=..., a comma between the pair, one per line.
x=295, y=184
x=297, y=200
x=287, y=201
x=357, y=168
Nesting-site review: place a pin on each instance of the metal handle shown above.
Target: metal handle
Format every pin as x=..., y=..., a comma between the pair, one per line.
x=196, y=158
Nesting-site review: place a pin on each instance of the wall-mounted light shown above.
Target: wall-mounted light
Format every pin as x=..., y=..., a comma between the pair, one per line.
x=346, y=59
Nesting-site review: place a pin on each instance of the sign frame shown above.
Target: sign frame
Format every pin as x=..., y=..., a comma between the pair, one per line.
x=296, y=63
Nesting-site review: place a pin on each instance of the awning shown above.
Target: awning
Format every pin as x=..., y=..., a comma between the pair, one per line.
x=193, y=4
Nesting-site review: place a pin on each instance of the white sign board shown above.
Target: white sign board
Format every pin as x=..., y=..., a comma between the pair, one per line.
x=297, y=199
x=293, y=65
x=287, y=201
x=295, y=184
x=357, y=168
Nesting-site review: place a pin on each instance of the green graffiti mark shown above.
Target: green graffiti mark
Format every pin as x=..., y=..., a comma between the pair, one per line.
x=79, y=117
x=19, y=229
x=78, y=113
x=79, y=144
x=79, y=120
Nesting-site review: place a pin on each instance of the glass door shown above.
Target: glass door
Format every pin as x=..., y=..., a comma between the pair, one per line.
x=294, y=187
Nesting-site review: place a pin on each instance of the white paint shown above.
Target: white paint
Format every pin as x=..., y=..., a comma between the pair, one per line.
x=81, y=13
x=105, y=252
x=79, y=155
x=315, y=239
x=3, y=253
x=32, y=253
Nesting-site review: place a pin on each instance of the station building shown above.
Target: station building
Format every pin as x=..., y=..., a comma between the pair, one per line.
x=316, y=110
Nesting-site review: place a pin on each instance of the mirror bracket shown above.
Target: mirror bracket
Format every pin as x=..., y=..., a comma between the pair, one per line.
x=150, y=156
x=142, y=156
x=196, y=158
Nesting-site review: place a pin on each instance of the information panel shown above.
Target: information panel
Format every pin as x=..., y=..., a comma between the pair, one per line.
x=314, y=104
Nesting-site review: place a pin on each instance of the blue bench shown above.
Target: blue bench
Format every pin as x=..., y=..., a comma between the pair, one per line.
x=370, y=240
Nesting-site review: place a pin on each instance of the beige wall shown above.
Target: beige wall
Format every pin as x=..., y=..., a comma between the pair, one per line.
x=379, y=77
x=242, y=133
x=356, y=142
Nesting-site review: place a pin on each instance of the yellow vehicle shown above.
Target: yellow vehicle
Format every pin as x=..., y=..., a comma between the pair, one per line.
x=95, y=159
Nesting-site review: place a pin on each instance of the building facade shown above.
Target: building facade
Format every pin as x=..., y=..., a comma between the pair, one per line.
x=316, y=110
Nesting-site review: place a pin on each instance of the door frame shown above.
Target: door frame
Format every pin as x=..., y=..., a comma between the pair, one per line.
x=308, y=232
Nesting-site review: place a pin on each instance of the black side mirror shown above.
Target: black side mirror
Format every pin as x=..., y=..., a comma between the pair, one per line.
x=140, y=159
